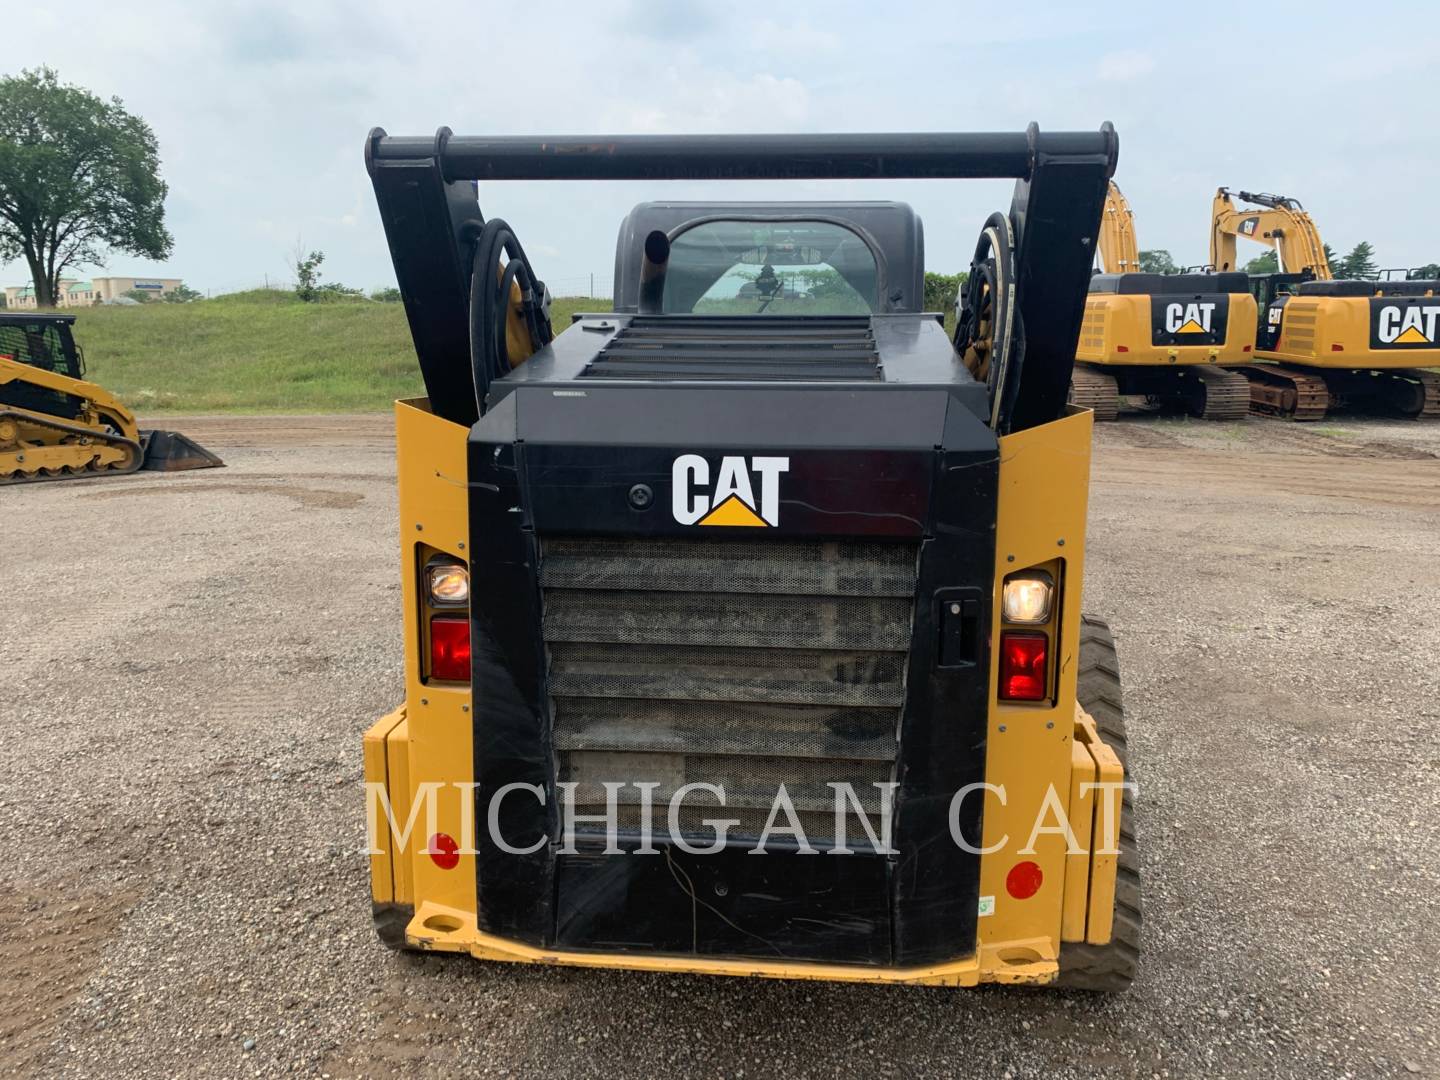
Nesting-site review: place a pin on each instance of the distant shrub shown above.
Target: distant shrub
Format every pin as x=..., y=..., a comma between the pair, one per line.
x=941, y=290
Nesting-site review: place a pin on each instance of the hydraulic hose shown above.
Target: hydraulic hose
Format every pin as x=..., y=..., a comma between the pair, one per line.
x=490, y=306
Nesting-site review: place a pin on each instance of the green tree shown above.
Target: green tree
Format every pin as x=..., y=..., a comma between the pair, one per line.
x=1157, y=262
x=1269, y=263
x=1428, y=272
x=181, y=294
x=1333, y=260
x=941, y=290
x=307, y=274
x=78, y=176
x=1360, y=263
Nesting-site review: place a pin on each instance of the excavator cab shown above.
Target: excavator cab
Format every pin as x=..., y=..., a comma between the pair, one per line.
x=693, y=585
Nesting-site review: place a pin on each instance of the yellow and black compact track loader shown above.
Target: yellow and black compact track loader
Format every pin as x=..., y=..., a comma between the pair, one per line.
x=55, y=425
x=1163, y=337
x=743, y=627
x=1334, y=346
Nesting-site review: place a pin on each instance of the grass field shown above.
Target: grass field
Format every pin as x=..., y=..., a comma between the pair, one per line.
x=259, y=351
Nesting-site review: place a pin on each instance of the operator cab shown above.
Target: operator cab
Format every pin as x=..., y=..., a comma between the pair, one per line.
x=822, y=258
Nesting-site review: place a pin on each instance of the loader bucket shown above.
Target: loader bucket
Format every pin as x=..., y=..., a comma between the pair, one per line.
x=169, y=451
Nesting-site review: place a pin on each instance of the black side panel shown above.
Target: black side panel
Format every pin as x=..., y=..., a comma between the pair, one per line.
x=936, y=884
x=511, y=741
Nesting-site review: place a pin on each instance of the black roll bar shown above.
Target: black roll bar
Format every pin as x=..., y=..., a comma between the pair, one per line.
x=431, y=214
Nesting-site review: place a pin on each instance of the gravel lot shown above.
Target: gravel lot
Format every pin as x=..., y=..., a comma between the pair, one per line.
x=188, y=662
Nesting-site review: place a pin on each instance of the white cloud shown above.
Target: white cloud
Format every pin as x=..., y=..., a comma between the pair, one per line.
x=1125, y=65
x=261, y=111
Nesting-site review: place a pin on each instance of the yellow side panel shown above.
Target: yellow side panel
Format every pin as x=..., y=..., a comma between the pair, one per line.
x=382, y=869
x=1076, y=905
x=1105, y=858
x=1044, y=488
x=397, y=765
x=434, y=511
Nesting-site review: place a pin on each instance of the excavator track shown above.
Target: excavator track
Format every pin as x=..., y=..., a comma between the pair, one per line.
x=1094, y=390
x=1285, y=392
x=25, y=464
x=1430, y=389
x=1412, y=393
x=1217, y=394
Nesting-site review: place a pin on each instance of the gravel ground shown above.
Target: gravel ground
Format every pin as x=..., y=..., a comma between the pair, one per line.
x=188, y=663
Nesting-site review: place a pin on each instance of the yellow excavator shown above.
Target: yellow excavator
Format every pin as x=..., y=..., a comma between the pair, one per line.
x=1336, y=344
x=1163, y=337
x=55, y=425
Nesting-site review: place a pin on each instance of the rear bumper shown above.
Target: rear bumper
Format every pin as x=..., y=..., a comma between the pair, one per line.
x=405, y=919
x=434, y=928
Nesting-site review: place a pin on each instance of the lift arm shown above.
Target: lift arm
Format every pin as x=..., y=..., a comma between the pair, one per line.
x=1275, y=221
x=1119, y=250
x=428, y=203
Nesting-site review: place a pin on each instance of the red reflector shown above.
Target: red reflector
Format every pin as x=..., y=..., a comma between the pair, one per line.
x=444, y=852
x=1022, y=665
x=1024, y=880
x=1245, y=348
x=1336, y=347
x=450, y=648
x=1122, y=348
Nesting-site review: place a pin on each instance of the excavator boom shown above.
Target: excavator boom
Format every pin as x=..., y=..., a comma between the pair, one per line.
x=1119, y=250
x=1279, y=222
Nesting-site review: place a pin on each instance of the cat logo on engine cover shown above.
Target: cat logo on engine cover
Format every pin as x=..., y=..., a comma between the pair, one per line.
x=732, y=498
x=1197, y=320
x=1402, y=324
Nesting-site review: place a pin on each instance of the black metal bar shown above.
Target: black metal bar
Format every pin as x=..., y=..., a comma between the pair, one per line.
x=1056, y=213
x=430, y=212
x=745, y=157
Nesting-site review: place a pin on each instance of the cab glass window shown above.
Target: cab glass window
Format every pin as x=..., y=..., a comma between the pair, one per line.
x=770, y=268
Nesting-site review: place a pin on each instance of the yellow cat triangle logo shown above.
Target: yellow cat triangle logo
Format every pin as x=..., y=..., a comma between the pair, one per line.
x=733, y=511
x=1412, y=336
x=1191, y=327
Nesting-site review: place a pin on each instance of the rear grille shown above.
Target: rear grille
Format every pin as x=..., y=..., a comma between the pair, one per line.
x=740, y=347
x=740, y=664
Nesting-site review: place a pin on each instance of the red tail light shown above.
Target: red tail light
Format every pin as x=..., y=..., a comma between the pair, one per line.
x=1023, y=660
x=1245, y=348
x=1336, y=347
x=1122, y=348
x=450, y=648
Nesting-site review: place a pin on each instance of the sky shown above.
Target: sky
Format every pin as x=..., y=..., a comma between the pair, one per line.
x=261, y=111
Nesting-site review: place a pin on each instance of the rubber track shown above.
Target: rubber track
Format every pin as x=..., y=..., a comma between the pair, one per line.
x=1108, y=968
x=38, y=476
x=1095, y=390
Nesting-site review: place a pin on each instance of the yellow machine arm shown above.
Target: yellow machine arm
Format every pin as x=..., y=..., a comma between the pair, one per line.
x=1119, y=251
x=1275, y=221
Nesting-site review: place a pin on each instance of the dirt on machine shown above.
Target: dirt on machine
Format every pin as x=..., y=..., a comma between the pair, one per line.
x=55, y=425
x=1331, y=345
x=1167, y=339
